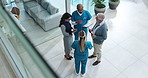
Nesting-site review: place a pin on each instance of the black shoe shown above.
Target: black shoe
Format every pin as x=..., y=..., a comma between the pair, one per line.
x=92, y=56
x=71, y=57
x=68, y=58
x=96, y=63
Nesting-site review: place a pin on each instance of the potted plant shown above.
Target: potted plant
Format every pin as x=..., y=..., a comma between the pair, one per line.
x=113, y=4
x=99, y=6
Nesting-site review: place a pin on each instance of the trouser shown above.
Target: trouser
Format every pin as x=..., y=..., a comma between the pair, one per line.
x=97, y=51
x=83, y=65
x=67, y=43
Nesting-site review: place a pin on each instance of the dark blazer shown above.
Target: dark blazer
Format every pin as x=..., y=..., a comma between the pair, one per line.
x=101, y=34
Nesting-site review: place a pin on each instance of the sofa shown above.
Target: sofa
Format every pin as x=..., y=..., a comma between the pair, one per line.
x=45, y=14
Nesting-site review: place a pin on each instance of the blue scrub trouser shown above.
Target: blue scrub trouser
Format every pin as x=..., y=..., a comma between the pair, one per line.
x=83, y=65
x=77, y=33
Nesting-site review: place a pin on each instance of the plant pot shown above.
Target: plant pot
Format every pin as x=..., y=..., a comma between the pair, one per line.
x=99, y=10
x=113, y=5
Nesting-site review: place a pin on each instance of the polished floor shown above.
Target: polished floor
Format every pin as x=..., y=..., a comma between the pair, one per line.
x=125, y=52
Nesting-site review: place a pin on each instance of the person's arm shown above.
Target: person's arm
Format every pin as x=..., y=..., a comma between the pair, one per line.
x=73, y=45
x=88, y=24
x=63, y=31
x=89, y=45
x=88, y=16
x=74, y=21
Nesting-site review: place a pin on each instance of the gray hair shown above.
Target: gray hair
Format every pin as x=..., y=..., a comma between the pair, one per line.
x=101, y=16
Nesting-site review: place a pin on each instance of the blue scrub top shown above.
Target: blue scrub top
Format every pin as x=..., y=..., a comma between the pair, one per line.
x=84, y=17
x=77, y=53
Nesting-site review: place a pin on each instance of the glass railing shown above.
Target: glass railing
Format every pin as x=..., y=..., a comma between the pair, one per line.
x=24, y=58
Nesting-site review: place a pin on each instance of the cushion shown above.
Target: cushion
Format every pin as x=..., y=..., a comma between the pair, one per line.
x=51, y=9
x=27, y=0
x=41, y=16
x=35, y=10
x=39, y=1
x=44, y=3
x=31, y=4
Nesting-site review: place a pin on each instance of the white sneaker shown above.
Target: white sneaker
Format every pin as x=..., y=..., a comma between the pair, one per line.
x=76, y=73
x=82, y=75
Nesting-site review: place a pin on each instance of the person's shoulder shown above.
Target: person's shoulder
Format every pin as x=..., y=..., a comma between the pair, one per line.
x=105, y=22
x=74, y=11
x=86, y=11
x=62, y=25
x=105, y=25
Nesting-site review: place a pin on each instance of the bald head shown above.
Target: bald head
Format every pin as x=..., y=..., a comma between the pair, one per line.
x=80, y=8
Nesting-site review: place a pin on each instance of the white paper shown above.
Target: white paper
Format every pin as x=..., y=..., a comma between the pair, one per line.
x=88, y=24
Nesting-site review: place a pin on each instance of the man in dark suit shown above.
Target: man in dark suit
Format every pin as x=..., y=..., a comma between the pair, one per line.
x=98, y=34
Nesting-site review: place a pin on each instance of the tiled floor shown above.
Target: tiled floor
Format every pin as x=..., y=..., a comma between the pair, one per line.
x=125, y=52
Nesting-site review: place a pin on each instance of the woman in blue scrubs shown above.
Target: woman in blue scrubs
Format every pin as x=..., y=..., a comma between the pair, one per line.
x=81, y=47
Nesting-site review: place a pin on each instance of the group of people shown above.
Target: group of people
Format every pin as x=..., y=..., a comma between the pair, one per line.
x=80, y=19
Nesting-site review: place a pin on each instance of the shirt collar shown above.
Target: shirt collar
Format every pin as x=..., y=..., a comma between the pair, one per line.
x=99, y=24
x=79, y=13
x=102, y=23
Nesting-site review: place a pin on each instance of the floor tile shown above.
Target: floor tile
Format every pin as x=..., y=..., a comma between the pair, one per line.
x=103, y=70
x=47, y=46
x=121, y=75
x=108, y=44
x=62, y=66
x=137, y=70
x=142, y=35
x=145, y=58
x=56, y=50
x=120, y=58
x=136, y=47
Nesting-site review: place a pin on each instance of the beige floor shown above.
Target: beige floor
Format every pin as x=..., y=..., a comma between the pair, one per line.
x=125, y=52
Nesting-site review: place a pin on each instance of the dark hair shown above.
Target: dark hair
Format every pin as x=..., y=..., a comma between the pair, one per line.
x=65, y=16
